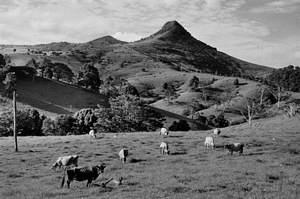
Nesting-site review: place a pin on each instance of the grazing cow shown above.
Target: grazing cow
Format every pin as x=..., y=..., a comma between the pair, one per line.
x=115, y=181
x=123, y=154
x=164, y=148
x=235, y=147
x=82, y=174
x=209, y=142
x=66, y=161
x=217, y=131
x=164, y=131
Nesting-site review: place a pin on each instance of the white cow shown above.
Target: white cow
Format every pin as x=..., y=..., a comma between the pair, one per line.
x=164, y=148
x=123, y=154
x=164, y=131
x=65, y=161
x=209, y=142
x=217, y=131
x=92, y=133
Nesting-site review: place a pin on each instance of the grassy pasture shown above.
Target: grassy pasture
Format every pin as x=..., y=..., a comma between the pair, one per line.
x=269, y=168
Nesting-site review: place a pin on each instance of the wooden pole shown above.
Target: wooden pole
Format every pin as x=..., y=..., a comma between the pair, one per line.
x=15, y=120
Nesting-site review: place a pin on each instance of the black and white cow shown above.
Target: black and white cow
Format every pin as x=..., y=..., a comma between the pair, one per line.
x=238, y=147
x=123, y=154
x=82, y=173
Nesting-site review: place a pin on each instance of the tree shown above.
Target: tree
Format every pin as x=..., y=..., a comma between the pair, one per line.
x=182, y=125
x=194, y=83
x=62, y=71
x=288, y=78
x=2, y=61
x=10, y=83
x=32, y=63
x=251, y=109
x=45, y=63
x=48, y=73
x=10, y=88
x=169, y=90
x=128, y=113
x=85, y=119
x=90, y=77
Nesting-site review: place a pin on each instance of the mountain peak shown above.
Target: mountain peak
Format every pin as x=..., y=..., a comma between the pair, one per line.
x=171, y=26
x=171, y=31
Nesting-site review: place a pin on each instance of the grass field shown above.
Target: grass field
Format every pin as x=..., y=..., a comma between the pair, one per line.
x=269, y=168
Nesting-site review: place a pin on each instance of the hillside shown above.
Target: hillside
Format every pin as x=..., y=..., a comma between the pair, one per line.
x=171, y=55
x=53, y=98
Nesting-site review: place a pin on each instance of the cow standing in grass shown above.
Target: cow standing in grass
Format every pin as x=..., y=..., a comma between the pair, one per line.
x=82, y=174
x=164, y=131
x=235, y=147
x=164, y=148
x=92, y=133
x=209, y=142
x=65, y=161
x=217, y=131
x=123, y=154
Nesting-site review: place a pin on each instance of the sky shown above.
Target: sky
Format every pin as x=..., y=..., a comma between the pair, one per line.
x=265, y=32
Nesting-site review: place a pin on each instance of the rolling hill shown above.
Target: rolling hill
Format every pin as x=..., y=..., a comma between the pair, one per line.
x=171, y=55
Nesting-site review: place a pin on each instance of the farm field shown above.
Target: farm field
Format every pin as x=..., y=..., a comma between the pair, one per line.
x=269, y=168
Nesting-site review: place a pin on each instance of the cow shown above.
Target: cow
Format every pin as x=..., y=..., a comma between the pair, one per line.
x=234, y=147
x=65, y=161
x=164, y=131
x=92, y=133
x=209, y=142
x=123, y=154
x=164, y=148
x=217, y=131
x=115, y=181
x=82, y=173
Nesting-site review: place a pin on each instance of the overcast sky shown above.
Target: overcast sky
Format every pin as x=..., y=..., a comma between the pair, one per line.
x=261, y=31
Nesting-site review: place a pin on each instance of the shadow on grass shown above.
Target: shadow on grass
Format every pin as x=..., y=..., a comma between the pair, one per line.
x=175, y=136
x=251, y=154
x=134, y=160
x=179, y=153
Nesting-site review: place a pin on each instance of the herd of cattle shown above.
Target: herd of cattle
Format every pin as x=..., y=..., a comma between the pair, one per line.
x=73, y=172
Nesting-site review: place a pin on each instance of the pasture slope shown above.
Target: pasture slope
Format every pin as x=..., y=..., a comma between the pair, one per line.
x=269, y=168
x=52, y=97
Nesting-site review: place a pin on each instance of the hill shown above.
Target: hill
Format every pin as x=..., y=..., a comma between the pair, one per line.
x=171, y=55
x=53, y=98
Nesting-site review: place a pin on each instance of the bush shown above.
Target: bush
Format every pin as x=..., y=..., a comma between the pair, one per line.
x=127, y=113
x=29, y=122
x=218, y=121
x=182, y=125
x=62, y=125
x=85, y=119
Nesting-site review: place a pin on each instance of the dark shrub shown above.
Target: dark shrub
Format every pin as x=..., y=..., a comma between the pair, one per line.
x=182, y=125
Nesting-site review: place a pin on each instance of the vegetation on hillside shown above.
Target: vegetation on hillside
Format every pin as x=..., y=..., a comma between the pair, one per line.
x=287, y=78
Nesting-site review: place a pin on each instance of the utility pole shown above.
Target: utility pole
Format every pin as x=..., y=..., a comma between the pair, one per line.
x=15, y=120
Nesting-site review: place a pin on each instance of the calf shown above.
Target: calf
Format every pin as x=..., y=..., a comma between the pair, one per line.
x=235, y=147
x=65, y=161
x=123, y=154
x=82, y=174
x=209, y=142
x=164, y=131
x=217, y=131
x=164, y=148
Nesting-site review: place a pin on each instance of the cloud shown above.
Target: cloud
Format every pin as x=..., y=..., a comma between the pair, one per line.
x=278, y=6
x=215, y=22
